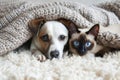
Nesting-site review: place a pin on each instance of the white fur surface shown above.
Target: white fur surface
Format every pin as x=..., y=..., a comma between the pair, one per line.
x=23, y=66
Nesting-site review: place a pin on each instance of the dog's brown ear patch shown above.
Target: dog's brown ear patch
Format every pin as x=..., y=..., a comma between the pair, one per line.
x=35, y=24
x=72, y=28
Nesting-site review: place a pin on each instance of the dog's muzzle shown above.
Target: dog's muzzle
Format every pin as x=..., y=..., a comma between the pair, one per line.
x=54, y=54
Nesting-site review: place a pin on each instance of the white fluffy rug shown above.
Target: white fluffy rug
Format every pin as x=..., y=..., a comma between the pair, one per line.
x=22, y=66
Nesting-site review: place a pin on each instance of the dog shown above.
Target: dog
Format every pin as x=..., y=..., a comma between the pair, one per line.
x=50, y=38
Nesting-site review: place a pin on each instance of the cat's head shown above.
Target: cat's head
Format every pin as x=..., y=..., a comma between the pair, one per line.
x=85, y=41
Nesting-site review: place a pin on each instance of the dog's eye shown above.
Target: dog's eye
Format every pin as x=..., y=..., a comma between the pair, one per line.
x=61, y=37
x=88, y=44
x=76, y=43
x=45, y=37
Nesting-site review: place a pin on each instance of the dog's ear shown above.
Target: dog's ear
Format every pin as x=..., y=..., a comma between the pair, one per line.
x=35, y=24
x=72, y=28
x=94, y=30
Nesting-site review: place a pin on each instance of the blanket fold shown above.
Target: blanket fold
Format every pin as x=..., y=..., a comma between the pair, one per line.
x=14, y=20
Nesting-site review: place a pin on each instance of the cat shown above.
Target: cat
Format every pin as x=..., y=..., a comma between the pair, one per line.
x=85, y=41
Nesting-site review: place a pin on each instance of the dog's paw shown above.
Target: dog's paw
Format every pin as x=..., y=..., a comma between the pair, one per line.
x=41, y=58
x=38, y=55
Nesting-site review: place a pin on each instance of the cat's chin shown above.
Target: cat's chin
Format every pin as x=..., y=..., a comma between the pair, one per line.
x=89, y=55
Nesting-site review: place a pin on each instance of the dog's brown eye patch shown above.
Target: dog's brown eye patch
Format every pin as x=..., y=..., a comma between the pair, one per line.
x=45, y=38
x=61, y=37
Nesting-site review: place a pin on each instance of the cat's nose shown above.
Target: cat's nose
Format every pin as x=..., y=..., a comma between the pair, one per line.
x=83, y=51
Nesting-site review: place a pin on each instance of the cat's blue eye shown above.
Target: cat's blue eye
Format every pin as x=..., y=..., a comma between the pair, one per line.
x=76, y=43
x=88, y=44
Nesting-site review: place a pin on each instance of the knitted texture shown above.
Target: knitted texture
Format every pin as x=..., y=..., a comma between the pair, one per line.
x=14, y=18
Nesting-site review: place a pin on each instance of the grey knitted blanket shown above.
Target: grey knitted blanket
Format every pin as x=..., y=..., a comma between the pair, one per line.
x=15, y=15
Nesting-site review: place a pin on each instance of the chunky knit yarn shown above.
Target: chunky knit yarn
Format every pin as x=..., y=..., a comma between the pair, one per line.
x=15, y=15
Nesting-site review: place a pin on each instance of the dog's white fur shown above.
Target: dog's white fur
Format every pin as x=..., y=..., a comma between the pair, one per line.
x=54, y=29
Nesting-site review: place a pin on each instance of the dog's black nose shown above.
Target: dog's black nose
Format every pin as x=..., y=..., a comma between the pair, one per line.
x=54, y=54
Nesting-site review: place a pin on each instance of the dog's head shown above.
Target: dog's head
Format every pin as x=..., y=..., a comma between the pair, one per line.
x=51, y=37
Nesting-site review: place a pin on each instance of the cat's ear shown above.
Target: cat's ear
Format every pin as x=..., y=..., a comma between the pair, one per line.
x=94, y=30
x=72, y=27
